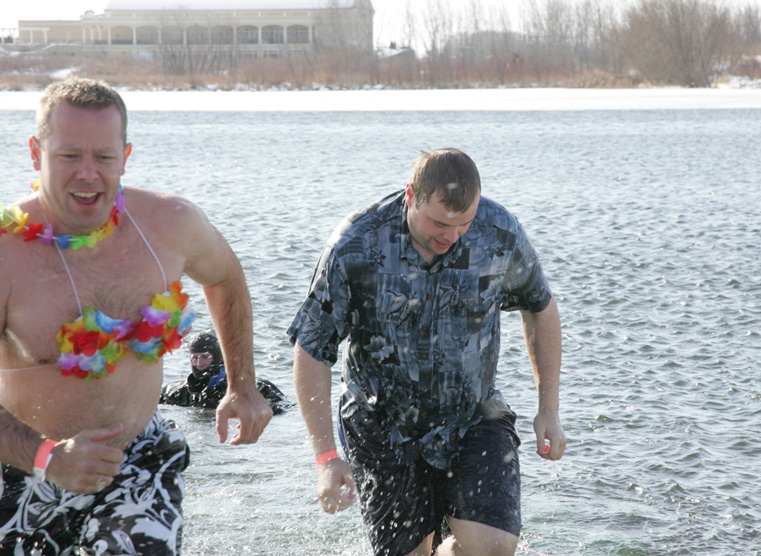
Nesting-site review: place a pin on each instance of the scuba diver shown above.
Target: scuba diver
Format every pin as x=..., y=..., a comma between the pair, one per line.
x=207, y=383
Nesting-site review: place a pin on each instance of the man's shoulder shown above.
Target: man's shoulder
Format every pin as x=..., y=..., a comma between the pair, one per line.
x=492, y=214
x=152, y=198
x=167, y=211
x=370, y=218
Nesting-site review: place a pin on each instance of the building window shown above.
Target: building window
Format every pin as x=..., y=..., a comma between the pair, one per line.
x=298, y=34
x=121, y=35
x=147, y=35
x=222, y=35
x=272, y=35
x=248, y=35
x=198, y=35
x=171, y=35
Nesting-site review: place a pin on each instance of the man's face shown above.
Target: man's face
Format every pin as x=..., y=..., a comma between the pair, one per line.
x=201, y=361
x=435, y=227
x=81, y=163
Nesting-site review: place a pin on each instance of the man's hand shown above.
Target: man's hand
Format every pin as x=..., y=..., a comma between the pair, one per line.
x=548, y=428
x=251, y=408
x=84, y=464
x=335, y=487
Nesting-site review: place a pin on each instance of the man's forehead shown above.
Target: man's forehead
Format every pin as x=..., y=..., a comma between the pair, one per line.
x=69, y=118
x=445, y=212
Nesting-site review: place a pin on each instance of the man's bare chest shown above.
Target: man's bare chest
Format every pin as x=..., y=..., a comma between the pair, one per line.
x=50, y=289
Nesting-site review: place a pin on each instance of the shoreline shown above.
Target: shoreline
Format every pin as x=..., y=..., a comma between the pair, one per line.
x=400, y=100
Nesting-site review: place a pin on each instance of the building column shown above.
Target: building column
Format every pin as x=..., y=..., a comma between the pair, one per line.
x=109, y=35
x=134, y=36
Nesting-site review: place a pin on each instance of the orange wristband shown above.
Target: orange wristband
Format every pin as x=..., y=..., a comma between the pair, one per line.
x=42, y=458
x=325, y=457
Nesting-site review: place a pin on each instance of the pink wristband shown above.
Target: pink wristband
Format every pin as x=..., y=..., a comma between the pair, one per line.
x=43, y=457
x=325, y=457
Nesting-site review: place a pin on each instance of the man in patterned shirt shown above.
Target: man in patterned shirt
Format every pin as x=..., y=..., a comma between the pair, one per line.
x=416, y=282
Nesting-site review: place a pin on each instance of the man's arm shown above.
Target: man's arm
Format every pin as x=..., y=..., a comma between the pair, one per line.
x=229, y=304
x=18, y=442
x=213, y=264
x=543, y=341
x=335, y=487
x=82, y=464
x=176, y=394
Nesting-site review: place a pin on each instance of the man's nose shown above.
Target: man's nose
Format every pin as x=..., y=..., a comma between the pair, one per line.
x=452, y=235
x=87, y=170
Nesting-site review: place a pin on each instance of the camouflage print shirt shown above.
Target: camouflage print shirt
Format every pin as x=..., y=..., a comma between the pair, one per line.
x=422, y=339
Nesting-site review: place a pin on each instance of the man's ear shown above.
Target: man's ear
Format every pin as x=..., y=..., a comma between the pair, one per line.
x=36, y=151
x=127, y=152
x=409, y=196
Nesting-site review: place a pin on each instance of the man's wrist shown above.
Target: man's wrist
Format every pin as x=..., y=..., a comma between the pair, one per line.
x=325, y=457
x=42, y=458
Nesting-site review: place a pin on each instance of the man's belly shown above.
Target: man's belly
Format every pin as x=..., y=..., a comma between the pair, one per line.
x=60, y=407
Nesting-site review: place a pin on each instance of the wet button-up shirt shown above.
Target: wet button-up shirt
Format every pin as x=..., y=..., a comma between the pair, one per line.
x=422, y=339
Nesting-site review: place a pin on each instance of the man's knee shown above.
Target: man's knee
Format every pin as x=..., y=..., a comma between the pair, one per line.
x=470, y=538
x=424, y=548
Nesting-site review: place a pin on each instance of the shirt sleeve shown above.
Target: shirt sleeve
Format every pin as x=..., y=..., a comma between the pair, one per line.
x=322, y=321
x=525, y=286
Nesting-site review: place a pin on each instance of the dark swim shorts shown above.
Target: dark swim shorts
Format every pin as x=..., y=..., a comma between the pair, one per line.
x=402, y=502
x=139, y=513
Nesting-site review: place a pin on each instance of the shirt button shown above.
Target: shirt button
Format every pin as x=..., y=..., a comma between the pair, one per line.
x=424, y=414
x=415, y=434
x=424, y=358
x=424, y=329
x=424, y=388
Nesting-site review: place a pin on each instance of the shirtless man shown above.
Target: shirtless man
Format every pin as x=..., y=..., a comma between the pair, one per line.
x=88, y=465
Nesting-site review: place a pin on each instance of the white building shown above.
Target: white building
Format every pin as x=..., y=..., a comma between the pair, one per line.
x=258, y=28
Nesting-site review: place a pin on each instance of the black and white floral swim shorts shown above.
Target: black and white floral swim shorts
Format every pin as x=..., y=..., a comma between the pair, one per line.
x=138, y=514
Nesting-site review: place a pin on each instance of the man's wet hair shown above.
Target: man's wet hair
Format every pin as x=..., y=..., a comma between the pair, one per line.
x=448, y=171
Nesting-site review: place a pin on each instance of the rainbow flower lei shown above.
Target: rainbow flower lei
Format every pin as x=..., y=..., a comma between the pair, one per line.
x=93, y=344
x=19, y=220
x=165, y=321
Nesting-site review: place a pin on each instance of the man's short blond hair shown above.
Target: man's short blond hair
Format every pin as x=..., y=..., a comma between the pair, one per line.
x=81, y=93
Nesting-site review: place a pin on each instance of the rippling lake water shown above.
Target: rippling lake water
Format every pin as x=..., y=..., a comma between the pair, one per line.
x=648, y=223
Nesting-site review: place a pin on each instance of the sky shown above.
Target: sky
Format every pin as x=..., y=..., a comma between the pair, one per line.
x=389, y=14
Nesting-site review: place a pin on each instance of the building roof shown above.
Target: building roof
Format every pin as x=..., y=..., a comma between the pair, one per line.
x=215, y=5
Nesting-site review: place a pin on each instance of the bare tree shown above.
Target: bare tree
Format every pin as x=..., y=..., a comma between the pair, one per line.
x=687, y=42
x=345, y=45
x=749, y=23
x=409, y=26
x=191, y=46
x=548, y=26
x=504, y=48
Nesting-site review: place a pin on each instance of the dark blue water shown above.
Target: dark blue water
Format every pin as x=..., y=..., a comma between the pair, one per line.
x=648, y=224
